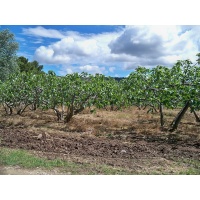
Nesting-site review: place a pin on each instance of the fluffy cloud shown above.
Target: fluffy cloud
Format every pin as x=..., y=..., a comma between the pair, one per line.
x=48, y=55
x=121, y=50
x=67, y=50
x=137, y=42
x=77, y=49
x=156, y=45
x=42, y=32
x=91, y=69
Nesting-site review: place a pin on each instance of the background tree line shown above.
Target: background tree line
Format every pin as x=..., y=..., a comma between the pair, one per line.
x=9, y=61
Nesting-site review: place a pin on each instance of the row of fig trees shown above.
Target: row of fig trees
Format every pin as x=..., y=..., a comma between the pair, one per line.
x=67, y=96
x=176, y=87
x=157, y=88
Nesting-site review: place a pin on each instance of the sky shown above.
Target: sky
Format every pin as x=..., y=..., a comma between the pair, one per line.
x=112, y=50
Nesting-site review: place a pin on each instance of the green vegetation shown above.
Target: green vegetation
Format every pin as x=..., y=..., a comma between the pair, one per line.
x=164, y=87
x=24, y=159
x=193, y=166
x=26, y=66
x=8, y=49
x=67, y=95
x=156, y=88
x=13, y=157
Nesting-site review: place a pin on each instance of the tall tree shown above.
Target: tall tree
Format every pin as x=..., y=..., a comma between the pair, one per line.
x=26, y=66
x=22, y=63
x=8, y=49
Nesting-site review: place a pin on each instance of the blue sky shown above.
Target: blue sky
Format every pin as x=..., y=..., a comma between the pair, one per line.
x=110, y=50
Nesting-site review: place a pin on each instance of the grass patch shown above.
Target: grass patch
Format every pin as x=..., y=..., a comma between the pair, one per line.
x=22, y=158
x=190, y=171
x=193, y=167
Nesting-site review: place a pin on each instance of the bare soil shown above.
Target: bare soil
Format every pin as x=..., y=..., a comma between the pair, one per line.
x=17, y=170
x=101, y=150
x=130, y=139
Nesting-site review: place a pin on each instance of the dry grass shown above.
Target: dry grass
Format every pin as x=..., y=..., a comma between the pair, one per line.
x=102, y=123
x=116, y=124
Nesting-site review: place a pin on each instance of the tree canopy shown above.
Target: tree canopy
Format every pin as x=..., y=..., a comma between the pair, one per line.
x=26, y=66
x=8, y=49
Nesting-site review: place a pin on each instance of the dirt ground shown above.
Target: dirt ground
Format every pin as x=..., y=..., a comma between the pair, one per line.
x=113, y=152
x=130, y=140
x=17, y=170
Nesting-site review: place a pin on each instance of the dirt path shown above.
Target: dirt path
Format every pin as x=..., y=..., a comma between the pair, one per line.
x=16, y=170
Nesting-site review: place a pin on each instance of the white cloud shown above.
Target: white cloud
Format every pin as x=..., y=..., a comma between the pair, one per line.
x=130, y=66
x=154, y=45
x=92, y=69
x=20, y=39
x=64, y=69
x=48, y=55
x=38, y=41
x=77, y=49
x=42, y=32
x=125, y=49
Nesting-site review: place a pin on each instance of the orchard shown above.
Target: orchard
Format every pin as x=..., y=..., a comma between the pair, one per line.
x=153, y=89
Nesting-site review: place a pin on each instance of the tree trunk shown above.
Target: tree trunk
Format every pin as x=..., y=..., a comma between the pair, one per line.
x=58, y=114
x=34, y=106
x=111, y=107
x=196, y=116
x=161, y=115
x=69, y=115
x=21, y=110
x=176, y=121
x=63, y=111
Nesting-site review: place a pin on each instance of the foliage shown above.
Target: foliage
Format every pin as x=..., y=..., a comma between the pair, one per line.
x=162, y=86
x=155, y=88
x=67, y=95
x=8, y=48
x=26, y=66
